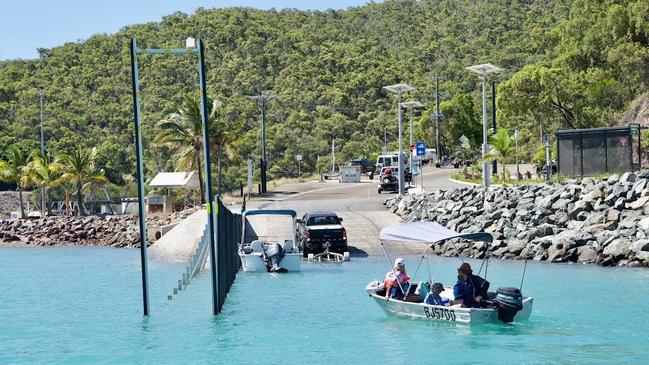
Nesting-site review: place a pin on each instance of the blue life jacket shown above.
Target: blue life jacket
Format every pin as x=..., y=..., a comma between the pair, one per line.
x=436, y=299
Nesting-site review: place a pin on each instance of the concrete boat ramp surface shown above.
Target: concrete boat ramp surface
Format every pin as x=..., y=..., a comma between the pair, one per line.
x=359, y=204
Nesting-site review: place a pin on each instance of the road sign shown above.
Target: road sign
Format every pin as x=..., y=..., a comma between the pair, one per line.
x=421, y=148
x=298, y=157
x=635, y=129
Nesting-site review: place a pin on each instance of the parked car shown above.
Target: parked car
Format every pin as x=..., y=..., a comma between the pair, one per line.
x=317, y=229
x=366, y=166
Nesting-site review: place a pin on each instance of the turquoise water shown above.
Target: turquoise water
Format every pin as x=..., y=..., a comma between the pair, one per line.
x=83, y=305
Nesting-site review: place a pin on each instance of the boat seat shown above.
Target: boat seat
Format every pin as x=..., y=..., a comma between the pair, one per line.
x=288, y=246
x=423, y=289
x=257, y=246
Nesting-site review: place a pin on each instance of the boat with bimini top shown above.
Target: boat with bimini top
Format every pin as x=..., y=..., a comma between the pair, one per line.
x=507, y=304
x=268, y=241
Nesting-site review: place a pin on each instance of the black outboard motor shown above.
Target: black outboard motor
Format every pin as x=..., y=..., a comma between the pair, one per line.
x=508, y=302
x=274, y=254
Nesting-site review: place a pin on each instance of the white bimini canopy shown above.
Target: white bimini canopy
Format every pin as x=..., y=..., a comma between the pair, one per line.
x=427, y=232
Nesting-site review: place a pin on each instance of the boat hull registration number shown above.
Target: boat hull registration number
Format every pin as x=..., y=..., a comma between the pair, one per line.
x=439, y=313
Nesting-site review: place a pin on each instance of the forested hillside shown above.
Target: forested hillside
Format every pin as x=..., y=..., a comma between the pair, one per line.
x=567, y=64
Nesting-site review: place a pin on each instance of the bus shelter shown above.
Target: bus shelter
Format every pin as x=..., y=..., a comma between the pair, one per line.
x=588, y=152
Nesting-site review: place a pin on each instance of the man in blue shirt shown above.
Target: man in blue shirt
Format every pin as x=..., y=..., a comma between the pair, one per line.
x=470, y=289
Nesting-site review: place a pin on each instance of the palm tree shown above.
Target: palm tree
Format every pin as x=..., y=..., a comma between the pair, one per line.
x=43, y=173
x=79, y=168
x=182, y=132
x=13, y=171
x=224, y=137
x=503, y=150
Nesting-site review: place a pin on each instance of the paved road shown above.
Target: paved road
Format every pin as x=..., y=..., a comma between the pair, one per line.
x=360, y=206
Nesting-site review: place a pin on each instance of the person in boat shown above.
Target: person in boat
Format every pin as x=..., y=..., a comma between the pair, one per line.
x=434, y=298
x=391, y=282
x=470, y=290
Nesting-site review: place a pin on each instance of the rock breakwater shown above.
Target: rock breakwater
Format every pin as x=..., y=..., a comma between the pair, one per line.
x=604, y=222
x=114, y=231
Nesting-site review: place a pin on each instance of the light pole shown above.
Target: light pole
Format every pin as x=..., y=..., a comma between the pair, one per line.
x=518, y=172
x=41, y=92
x=192, y=46
x=483, y=71
x=399, y=89
x=438, y=115
x=410, y=105
x=548, y=168
x=263, y=99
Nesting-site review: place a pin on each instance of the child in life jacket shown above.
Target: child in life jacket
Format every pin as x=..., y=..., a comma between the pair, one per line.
x=391, y=282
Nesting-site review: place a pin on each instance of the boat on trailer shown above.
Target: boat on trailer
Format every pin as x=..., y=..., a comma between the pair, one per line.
x=505, y=305
x=268, y=241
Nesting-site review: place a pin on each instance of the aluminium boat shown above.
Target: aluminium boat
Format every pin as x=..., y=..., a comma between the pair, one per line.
x=268, y=241
x=505, y=305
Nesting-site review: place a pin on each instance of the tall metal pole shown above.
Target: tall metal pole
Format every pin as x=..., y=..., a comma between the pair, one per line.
x=437, y=116
x=401, y=174
x=548, y=168
x=211, y=208
x=410, y=144
x=263, y=147
x=493, y=122
x=518, y=171
x=140, y=179
x=385, y=136
x=485, y=164
x=43, y=190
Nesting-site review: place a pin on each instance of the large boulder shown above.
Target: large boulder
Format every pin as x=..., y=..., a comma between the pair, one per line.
x=618, y=248
x=628, y=177
x=640, y=203
x=640, y=245
x=587, y=255
x=644, y=224
x=580, y=206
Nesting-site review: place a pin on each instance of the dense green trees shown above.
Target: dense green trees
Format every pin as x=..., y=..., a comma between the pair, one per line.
x=568, y=63
x=12, y=170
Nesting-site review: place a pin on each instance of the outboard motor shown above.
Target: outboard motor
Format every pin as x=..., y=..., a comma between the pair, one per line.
x=509, y=301
x=274, y=254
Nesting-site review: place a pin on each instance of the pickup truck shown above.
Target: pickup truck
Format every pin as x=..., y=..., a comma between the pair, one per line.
x=366, y=166
x=315, y=230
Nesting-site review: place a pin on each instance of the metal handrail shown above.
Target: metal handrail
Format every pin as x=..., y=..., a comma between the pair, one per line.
x=196, y=264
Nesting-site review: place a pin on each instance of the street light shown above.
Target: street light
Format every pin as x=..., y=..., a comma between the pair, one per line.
x=263, y=98
x=41, y=92
x=438, y=115
x=484, y=71
x=399, y=89
x=410, y=105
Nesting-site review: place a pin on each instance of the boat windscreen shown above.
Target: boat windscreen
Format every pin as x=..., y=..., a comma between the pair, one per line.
x=427, y=232
x=269, y=228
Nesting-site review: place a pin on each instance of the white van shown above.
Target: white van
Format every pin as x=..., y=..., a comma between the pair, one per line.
x=387, y=160
x=431, y=155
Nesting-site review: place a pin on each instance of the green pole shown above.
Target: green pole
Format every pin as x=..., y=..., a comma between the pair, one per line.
x=211, y=213
x=140, y=178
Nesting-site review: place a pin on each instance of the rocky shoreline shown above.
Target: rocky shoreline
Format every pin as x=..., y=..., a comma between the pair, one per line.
x=604, y=222
x=111, y=231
